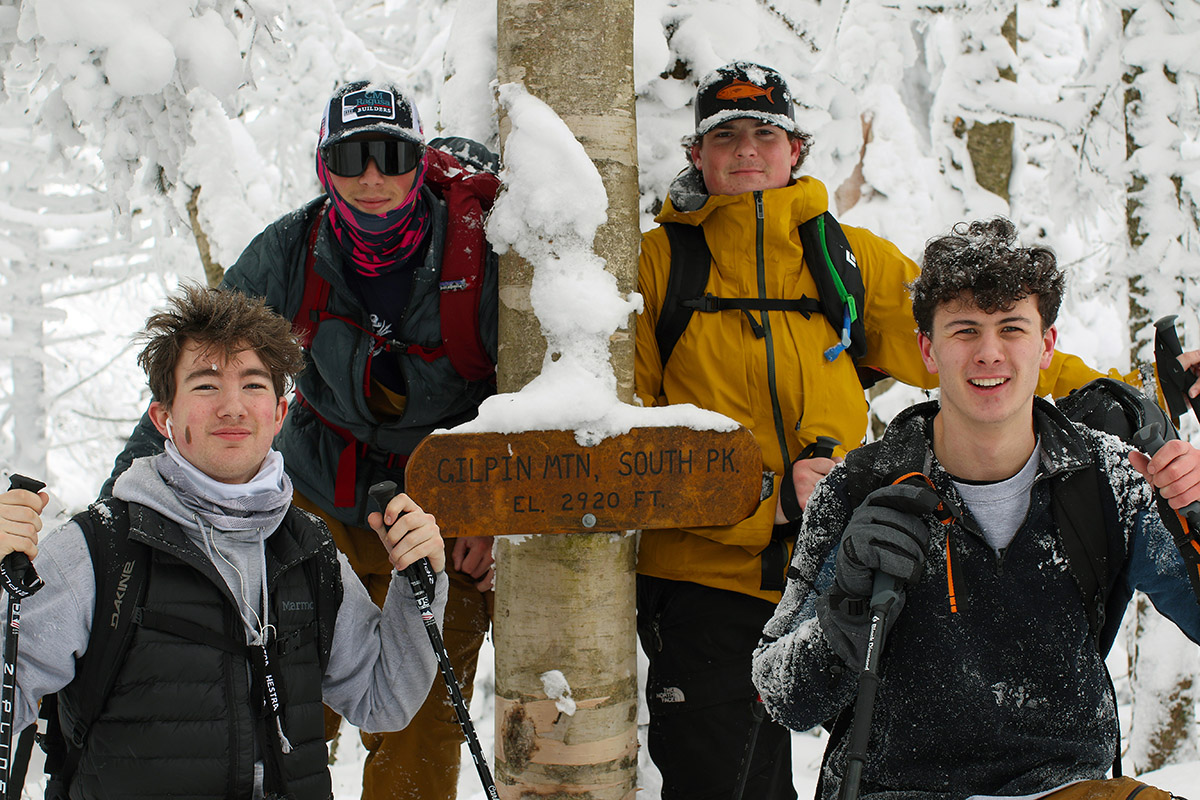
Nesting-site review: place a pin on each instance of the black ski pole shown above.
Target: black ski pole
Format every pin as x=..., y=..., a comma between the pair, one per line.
x=20, y=580
x=821, y=448
x=884, y=594
x=420, y=575
x=1173, y=379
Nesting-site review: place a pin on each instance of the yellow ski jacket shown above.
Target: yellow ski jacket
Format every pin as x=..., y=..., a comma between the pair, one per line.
x=779, y=386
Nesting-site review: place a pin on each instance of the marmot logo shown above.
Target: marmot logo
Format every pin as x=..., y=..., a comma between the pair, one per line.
x=122, y=587
x=297, y=605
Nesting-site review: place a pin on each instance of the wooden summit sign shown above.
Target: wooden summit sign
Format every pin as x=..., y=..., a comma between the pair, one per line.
x=545, y=482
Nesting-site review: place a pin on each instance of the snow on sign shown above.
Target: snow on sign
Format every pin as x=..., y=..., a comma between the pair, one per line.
x=546, y=482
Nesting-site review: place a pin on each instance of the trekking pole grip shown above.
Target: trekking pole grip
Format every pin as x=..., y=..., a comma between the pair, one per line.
x=419, y=573
x=1149, y=439
x=17, y=574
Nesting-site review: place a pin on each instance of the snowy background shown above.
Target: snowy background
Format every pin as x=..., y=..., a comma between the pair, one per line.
x=137, y=134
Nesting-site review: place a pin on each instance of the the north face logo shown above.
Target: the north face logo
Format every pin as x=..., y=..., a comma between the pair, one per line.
x=670, y=694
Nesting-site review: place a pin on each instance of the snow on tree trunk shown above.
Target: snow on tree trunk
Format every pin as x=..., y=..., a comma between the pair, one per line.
x=1162, y=123
x=565, y=603
x=1163, y=670
x=975, y=100
x=213, y=272
x=27, y=397
x=991, y=143
x=61, y=327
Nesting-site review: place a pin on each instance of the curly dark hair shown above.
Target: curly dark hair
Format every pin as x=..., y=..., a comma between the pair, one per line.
x=984, y=259
x=226, y=321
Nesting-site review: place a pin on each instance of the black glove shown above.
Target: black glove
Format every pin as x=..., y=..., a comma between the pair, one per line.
x=887, y=534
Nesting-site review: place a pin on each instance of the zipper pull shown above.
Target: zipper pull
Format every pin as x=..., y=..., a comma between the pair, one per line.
x=758, y=204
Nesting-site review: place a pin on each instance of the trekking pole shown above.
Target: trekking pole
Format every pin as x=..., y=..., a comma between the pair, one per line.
x=20, y=580
x=884, y=594
x=1173, y=379
x=420, y=575
x=821, y=448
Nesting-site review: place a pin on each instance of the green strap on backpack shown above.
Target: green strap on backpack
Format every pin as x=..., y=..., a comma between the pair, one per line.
x=828, y=257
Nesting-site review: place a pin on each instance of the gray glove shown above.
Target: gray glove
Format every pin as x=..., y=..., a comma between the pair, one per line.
x=886, y=534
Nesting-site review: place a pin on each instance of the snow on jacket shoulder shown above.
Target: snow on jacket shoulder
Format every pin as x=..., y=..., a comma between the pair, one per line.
x=721, y=365
x=1006, y=695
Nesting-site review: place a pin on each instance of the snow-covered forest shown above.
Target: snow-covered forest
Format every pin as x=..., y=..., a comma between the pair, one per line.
x=143, y=142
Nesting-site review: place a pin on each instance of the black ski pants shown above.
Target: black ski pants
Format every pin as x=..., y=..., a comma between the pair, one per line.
x=700, y=641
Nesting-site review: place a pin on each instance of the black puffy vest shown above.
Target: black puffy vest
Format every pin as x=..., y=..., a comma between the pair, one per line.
x=184, y=718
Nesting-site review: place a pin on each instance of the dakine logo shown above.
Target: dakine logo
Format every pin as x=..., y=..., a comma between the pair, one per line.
x=297, y=605
x=368, y=103
x=122, y=587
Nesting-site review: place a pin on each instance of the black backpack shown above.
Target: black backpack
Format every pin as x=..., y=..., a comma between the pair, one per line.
x=828, y=256
x=1120, y=409
x=121, y=567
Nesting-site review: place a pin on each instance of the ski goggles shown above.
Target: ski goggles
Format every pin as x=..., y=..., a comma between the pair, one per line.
x=392, y=156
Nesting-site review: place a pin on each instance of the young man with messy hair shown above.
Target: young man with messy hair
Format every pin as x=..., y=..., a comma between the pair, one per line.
x=993, y=680
x=245, y=596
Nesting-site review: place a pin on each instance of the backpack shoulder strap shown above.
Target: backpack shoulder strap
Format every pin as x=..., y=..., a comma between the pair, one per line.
x=1083, y=509
x=829, y=258
x=328, y=594
x=121, y=568
x=691, y=261
x=1080, y=520
x=468, y=195
x=316, y=289
x=324, y=575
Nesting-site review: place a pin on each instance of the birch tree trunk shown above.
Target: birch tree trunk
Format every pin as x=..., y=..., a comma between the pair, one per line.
x=27, y=402
x=566, y=602
x=1140, y=329
x=1161, y=228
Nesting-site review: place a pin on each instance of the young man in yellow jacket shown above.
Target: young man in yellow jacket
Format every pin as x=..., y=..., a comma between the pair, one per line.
x=704, y=594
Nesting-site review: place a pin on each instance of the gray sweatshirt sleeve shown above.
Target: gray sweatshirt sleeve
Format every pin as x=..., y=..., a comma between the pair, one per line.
x=381, y=665
x=56, y=622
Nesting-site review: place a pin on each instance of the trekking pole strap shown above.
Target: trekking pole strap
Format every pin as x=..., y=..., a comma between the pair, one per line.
x=17, y=574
